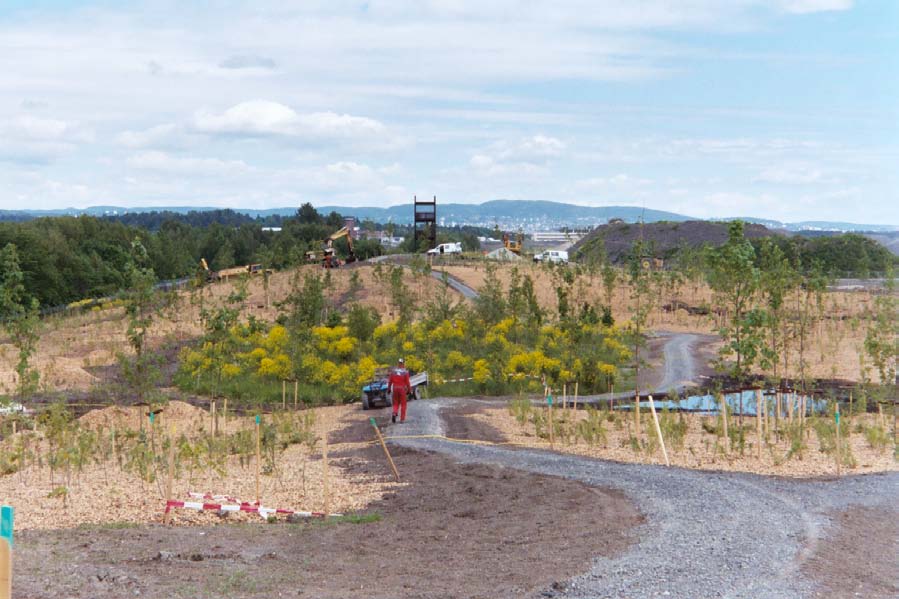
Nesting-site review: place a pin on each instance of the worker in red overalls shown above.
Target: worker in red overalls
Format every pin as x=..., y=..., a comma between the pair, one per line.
x=400, y=385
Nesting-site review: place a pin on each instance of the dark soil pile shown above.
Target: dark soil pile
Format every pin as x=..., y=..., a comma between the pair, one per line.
x=841, y=568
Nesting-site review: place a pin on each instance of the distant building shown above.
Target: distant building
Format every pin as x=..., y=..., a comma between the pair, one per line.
x=554, y=236
x=272, y=229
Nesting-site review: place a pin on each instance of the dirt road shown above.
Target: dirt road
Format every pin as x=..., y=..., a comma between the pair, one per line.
x=706, y=534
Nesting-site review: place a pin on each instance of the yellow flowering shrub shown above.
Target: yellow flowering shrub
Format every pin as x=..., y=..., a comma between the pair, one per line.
x=481, y=372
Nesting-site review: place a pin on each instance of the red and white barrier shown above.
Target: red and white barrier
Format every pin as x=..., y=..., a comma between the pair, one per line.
x=210, y=496
x=264, y=512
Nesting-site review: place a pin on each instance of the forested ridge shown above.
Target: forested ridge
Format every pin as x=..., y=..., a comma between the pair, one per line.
x=68, y=258
x=65, y=259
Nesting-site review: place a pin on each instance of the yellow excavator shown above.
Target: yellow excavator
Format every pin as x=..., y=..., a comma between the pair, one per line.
x=513, y=246
x=225, y=274
x=330, y=259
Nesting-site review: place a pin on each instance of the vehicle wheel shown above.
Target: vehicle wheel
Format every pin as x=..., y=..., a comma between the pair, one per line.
x=416, y=393
x=365, y=403
x=388, y=401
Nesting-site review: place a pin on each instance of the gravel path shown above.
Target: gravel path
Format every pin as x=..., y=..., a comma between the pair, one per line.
x=707, y=534
x=466, y=291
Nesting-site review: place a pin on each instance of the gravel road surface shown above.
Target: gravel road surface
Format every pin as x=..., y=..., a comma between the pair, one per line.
x=706, y=534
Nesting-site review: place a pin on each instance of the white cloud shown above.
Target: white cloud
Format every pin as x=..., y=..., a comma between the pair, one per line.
x=795, y=174
x=621, y=181
x=27, y=138
x=160, y=135
x=263, y=117
x=811, y=6
x=166, y=163
x=527, y=156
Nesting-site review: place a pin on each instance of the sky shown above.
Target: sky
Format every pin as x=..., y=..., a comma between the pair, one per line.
x=782, y=109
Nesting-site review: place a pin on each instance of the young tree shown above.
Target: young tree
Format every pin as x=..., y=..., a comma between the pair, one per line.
x=141, y=306
x=19, y=315
x=642, y=297
x=777, y=280
x=733, y=275
x=882, y=338
x=490, y=305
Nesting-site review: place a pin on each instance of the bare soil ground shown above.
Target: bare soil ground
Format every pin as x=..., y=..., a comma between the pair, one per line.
x=841, y=571
x=460, y=425
x=449, y=530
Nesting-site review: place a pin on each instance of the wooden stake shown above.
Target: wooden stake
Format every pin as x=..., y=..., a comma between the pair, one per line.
x=836, y=416
x=283, y=395
x=564, y=396
x=655, y=419
x=215, y=418
x=777, y=408
x=325, y=473
x=758, y=423
x=637, y=413
x=396, y=474
x=724, y=421
x=258, y=458
x=169, y=475
x=549, y=398
x=575, y=396
x=790, y=408
x=880, y=413
x=296, y=393
x=225, y=415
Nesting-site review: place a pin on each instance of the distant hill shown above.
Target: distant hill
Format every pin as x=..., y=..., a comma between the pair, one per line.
x=663, y=238
x=527, y=214
x=508, y=214
x=813, y=225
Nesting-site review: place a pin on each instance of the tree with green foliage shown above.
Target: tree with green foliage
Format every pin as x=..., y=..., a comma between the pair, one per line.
x=400, y=296
x=490, y=305
x=777, y=280
x=307, y=301
x=141, y=306
x=809, y=308
x=20, y=317
x=733, y=275
x=882, y=337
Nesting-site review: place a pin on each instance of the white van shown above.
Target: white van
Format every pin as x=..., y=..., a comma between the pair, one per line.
x=558, y=256
x=446, y=248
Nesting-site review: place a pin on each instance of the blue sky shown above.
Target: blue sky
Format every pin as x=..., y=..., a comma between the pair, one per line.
x=781, y=109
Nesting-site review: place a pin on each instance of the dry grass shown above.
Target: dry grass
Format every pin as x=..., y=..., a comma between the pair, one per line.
x=72, y=344
x=834, y=345
x=104, y=494
x=701, y=450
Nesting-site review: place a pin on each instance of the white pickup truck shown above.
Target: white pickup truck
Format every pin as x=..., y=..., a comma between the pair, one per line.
x=557, y=256
x=446, y=248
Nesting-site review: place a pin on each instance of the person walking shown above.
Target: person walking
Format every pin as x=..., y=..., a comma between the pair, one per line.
x=400, y=385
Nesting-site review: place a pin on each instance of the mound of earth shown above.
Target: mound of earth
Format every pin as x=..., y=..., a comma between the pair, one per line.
x=663, y=237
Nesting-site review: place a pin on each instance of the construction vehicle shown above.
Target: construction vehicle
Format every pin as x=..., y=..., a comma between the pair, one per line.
x=377, y=392
x=330, y=259
x=513, y=246
x=226, y=273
